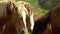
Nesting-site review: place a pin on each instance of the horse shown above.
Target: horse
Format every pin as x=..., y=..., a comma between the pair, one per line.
x=19, y=14
x=52, y=18
x=29, y=24
x=41, y=23
x=5, y=15
x=55, y=19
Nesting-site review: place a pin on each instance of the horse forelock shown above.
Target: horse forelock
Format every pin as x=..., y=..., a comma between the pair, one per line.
x=27, y=6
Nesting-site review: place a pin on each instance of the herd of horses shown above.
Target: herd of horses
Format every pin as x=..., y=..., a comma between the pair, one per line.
x=18, y=17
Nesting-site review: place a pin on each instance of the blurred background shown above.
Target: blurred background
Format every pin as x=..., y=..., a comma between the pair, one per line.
x=42, y=6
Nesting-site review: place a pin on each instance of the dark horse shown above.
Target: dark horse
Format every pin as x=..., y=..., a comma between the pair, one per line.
x=55, y=19
x=41, y=23
x=52, y=17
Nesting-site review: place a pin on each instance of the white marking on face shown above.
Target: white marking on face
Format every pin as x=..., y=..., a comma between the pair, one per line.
x=24, y=17
x=22, y=11
x=32, y=21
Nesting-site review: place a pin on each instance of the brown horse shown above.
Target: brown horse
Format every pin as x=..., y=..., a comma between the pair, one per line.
x=55, y=19
x=54, y=22
x=5, y=15
x=19, y=15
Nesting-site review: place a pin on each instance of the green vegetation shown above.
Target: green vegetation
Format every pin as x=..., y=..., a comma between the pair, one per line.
x=38, y=10
x=27, y=33
x=48, y=4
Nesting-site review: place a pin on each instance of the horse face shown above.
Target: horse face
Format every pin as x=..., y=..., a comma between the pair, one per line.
x=18, y=16
x=25, y=12
x=22, y=13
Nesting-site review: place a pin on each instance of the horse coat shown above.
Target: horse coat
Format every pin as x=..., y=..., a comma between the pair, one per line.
x=41, y=24
x=55, y=19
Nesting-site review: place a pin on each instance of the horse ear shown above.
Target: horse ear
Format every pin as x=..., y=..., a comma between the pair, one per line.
x=10, y=7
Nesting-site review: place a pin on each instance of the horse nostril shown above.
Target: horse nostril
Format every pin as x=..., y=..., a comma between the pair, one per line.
x=29, y=30
x=21, y=31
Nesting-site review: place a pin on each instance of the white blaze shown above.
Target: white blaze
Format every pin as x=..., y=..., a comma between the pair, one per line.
x=24, y=17
x=32, y=21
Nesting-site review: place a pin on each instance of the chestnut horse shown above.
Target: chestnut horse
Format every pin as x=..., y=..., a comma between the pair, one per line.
x=20, y=18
